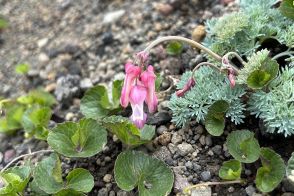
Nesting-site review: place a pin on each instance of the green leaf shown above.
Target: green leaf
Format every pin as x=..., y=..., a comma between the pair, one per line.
x=151, y=175
x=69, y=192
x=15, y=180
x=127, y=132
x=230, y=170
x=290, y=166
x=35, y=121
x=261, y=77
x=272, y=172
x=22, y=68
x=3, y=23
x=174, y=48
x=96, y=104
x=82, y=139
x=215, y=118
x=39, y=96
x=158, y=82
x=48, y=178
x=243, y=146
x=287, y=8
x=12, y=119
x=80, y=180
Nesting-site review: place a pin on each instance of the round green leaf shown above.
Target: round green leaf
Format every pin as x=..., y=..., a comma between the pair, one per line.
x=39, y=97
x=12, y=120
x=230, y=170
x=82, y=139
x=287, y=8
x=69, y=192
x=127, y=132
x=152, y=176
x=272, y=172
x=243, y=146
x=258, y=78
x=80, y=180
x=215, y=118
x=174, y=48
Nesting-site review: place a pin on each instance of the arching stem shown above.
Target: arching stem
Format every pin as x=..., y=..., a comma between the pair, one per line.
x=24, y=155
x=286, y=53
x=205, y=63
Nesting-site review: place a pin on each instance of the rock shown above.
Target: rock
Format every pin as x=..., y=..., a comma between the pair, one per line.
x=189, y=165
x=107, y=178
x=50, y=87
x=199, y=129
x=208, y=140
x=69, y=116
x=42, y=42
x=161, y=129
x=9, y=155
x=231, y=189
x=185, y=149
x=180, y=182
x=65, y=4
x=201, y=191
x=103, y=192
x=165, y=138
x=107, y=37
x=202, y=140
x=196, y=167
x=287, y=194
x=111, y=193
x=164, y=8
x=43, y=58
x=112, y=17
x=172, y=148
x=67, y=87
x=159, y=118
x=1, y=157
x=198, y=33
x=122, y=193
x=162, y=153
x=205, y=175
x=217, y=149
x=86, y=83
x=288, y=185
x=176, y=138
x=250, y=190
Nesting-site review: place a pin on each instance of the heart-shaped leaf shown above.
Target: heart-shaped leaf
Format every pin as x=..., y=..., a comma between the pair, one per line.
x=152, y=176
x=14, y=180
x=35, y=121
x=39, y=97
x=215, y=118
x=287, y=8
x=261, y=77
x=272, y=172
x=48, y=178
x=96, y=103
x=290, y=168
x=12, y=119
x=243, y=146
x=82, y=139
x=127, y=132
x=174, y=48
x=230, y=170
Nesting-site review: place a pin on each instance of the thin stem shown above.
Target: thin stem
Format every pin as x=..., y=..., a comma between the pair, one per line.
x=188, y=41
x=236, y=55
x=204, y=63
x=24, y=155
x=187, y=189
x=286, y=53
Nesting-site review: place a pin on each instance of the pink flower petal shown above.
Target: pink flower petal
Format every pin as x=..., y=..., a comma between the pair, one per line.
x=137, y=97
x=191, y=82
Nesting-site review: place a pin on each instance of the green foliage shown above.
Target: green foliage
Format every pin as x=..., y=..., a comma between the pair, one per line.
x=275, y=106
x=48, y=178
x=127, y=132
x=151, y=175
x=243, y=146
x=287, y=36
x=3, y=23
x=96, y=103
x=174, y=48
x=290, y=169
x=14, y=180
x=230, y=170
x=215, y=119
x=287, y=8
x=35, y=121
x=38, y=96
x=22, y=68
x=82, y=139
x=244, y=31
x=272, y=171
x=211, y=86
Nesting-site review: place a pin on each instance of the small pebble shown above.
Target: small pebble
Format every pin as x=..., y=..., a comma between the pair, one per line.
x=165, y=138
x=8, y=155
x=107, y=178
x=161, y=129
x=1, y=157
x=205, y=175
x=185, y=149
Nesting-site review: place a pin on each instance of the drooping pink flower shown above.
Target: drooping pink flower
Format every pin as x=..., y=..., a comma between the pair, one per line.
x=191, y=82
x=231, y=77
x=148, y=79
x=138, y=95
x=143, y=56
x=132, y=72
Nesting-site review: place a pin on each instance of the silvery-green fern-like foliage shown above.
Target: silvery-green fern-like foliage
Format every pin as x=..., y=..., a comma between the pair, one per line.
x=210, y=87
x=244, y=31
x=276, y=106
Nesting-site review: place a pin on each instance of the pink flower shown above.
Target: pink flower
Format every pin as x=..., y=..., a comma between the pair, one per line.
x=137, y=97
x=148, y=79
x=191, y=82
x=231, y=77
x=132, y=72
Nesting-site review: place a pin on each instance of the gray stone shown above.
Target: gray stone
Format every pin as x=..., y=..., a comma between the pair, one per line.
x=162, y=153
x=172, y=148
x=208, y=140
x=111, y=193
x=111, y=17
x=122, y=193
x=202, y=140
x=159, y=118
x=180, y=182
x=103, y=192
x=176, y=138
x=8, y=155
x=67, y=87
x=217, y=149
x=201, y=191
x=185, y=149
x=199, y=129
x=161, y=129
x=205, y=175
x=86, y=83
x=107, y=178
x=196, y=167
x=189, y=165
x=250, y=190
x=288, y=185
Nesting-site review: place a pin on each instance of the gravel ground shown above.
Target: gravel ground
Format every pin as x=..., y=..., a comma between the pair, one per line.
x=73, y=45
